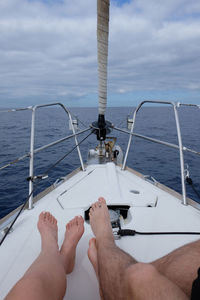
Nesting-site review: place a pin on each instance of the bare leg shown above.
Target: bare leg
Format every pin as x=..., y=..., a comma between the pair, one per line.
x=92, y=254
x=120, y=276
x=74, y=231
x=112, y=261
x=46, y=277
x=181, y=265
x=144, y=282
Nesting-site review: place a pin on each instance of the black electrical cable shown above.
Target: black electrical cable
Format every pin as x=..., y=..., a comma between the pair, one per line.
x=190, y=182
x=39, y=179
x=130, y=232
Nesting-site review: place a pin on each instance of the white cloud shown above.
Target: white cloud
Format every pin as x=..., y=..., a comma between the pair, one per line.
x=48, y=51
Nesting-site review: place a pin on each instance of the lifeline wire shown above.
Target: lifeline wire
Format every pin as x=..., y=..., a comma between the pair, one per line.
x=23, y=206
x=46, y=173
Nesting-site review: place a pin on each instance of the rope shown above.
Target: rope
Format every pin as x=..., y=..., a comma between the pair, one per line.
x=190, y=182
x=39, y=179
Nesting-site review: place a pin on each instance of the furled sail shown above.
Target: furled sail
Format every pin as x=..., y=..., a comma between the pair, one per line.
x=102, y=41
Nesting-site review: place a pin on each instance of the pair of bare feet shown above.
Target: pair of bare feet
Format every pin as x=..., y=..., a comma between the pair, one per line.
x=100, y=223
x=47, y=226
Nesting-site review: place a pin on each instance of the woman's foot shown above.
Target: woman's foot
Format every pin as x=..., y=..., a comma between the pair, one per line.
x=47, y=226
x=100, y=220
x=74, y=231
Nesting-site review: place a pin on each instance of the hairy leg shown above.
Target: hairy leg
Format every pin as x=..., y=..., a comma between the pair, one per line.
x=46, y=277
x=120, y=276
x=92, y=255
x=181, y=265
x=144, y=282
x=112, y=261
x=141, y=281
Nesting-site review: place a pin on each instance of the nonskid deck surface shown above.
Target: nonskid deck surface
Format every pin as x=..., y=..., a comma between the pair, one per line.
x=151, y=209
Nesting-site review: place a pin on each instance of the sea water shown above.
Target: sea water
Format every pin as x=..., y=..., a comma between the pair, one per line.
x=149, y=158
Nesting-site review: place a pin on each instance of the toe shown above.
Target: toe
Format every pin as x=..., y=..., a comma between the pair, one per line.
x=102, y=200
x=50, y=218
x=80, y=220
x=47, y=216
x=76, y=221
x=97, y=204
x=54, y=221
x=92, y=241
x=41, y=216
x=71, y=223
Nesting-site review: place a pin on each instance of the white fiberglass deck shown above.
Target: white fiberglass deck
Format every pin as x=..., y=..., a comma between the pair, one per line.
x=152, y=209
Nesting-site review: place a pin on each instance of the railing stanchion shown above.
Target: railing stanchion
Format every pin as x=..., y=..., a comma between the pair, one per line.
x=76, y=142
x=129, y=141
x=184, y=200
x=31, y=165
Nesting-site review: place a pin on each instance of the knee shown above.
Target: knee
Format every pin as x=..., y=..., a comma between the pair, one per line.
x=140, y=274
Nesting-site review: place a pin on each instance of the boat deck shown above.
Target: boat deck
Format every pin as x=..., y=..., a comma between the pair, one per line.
x=151, y=210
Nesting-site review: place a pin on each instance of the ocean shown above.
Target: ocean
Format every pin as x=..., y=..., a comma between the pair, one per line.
x=149, y=158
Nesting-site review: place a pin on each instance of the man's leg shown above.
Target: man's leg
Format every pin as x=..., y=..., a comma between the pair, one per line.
x=118, y=272
x=111, y=261
x=181, y=265
x=144, y=282
x=92, y=255
x=46, y=277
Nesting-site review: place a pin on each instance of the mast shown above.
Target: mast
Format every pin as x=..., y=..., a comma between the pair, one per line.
x=102, y=46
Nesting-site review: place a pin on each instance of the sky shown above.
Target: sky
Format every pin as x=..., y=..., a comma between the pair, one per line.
x=48, y=52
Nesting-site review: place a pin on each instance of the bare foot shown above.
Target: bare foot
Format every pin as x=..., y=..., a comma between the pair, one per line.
x=47, y=226
x=92, y=255
x=100, y=220
x=74, y=231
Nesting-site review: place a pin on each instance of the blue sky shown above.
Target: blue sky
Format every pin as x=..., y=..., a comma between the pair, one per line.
x=120, y=2
x=48, y=52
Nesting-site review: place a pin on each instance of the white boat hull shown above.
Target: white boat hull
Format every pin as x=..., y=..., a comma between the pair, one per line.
x=152, y=209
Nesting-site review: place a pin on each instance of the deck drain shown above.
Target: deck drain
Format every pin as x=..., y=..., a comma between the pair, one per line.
x=134, y=192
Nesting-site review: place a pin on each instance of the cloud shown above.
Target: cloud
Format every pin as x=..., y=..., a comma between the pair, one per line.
x=48, y=49
x=153, y=49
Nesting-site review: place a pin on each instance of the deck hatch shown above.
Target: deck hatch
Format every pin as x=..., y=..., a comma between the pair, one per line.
x=122, y=210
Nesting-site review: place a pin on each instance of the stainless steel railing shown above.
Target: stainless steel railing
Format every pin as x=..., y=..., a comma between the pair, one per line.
x=131, y=133
x=33, y=151
x=179, y=146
